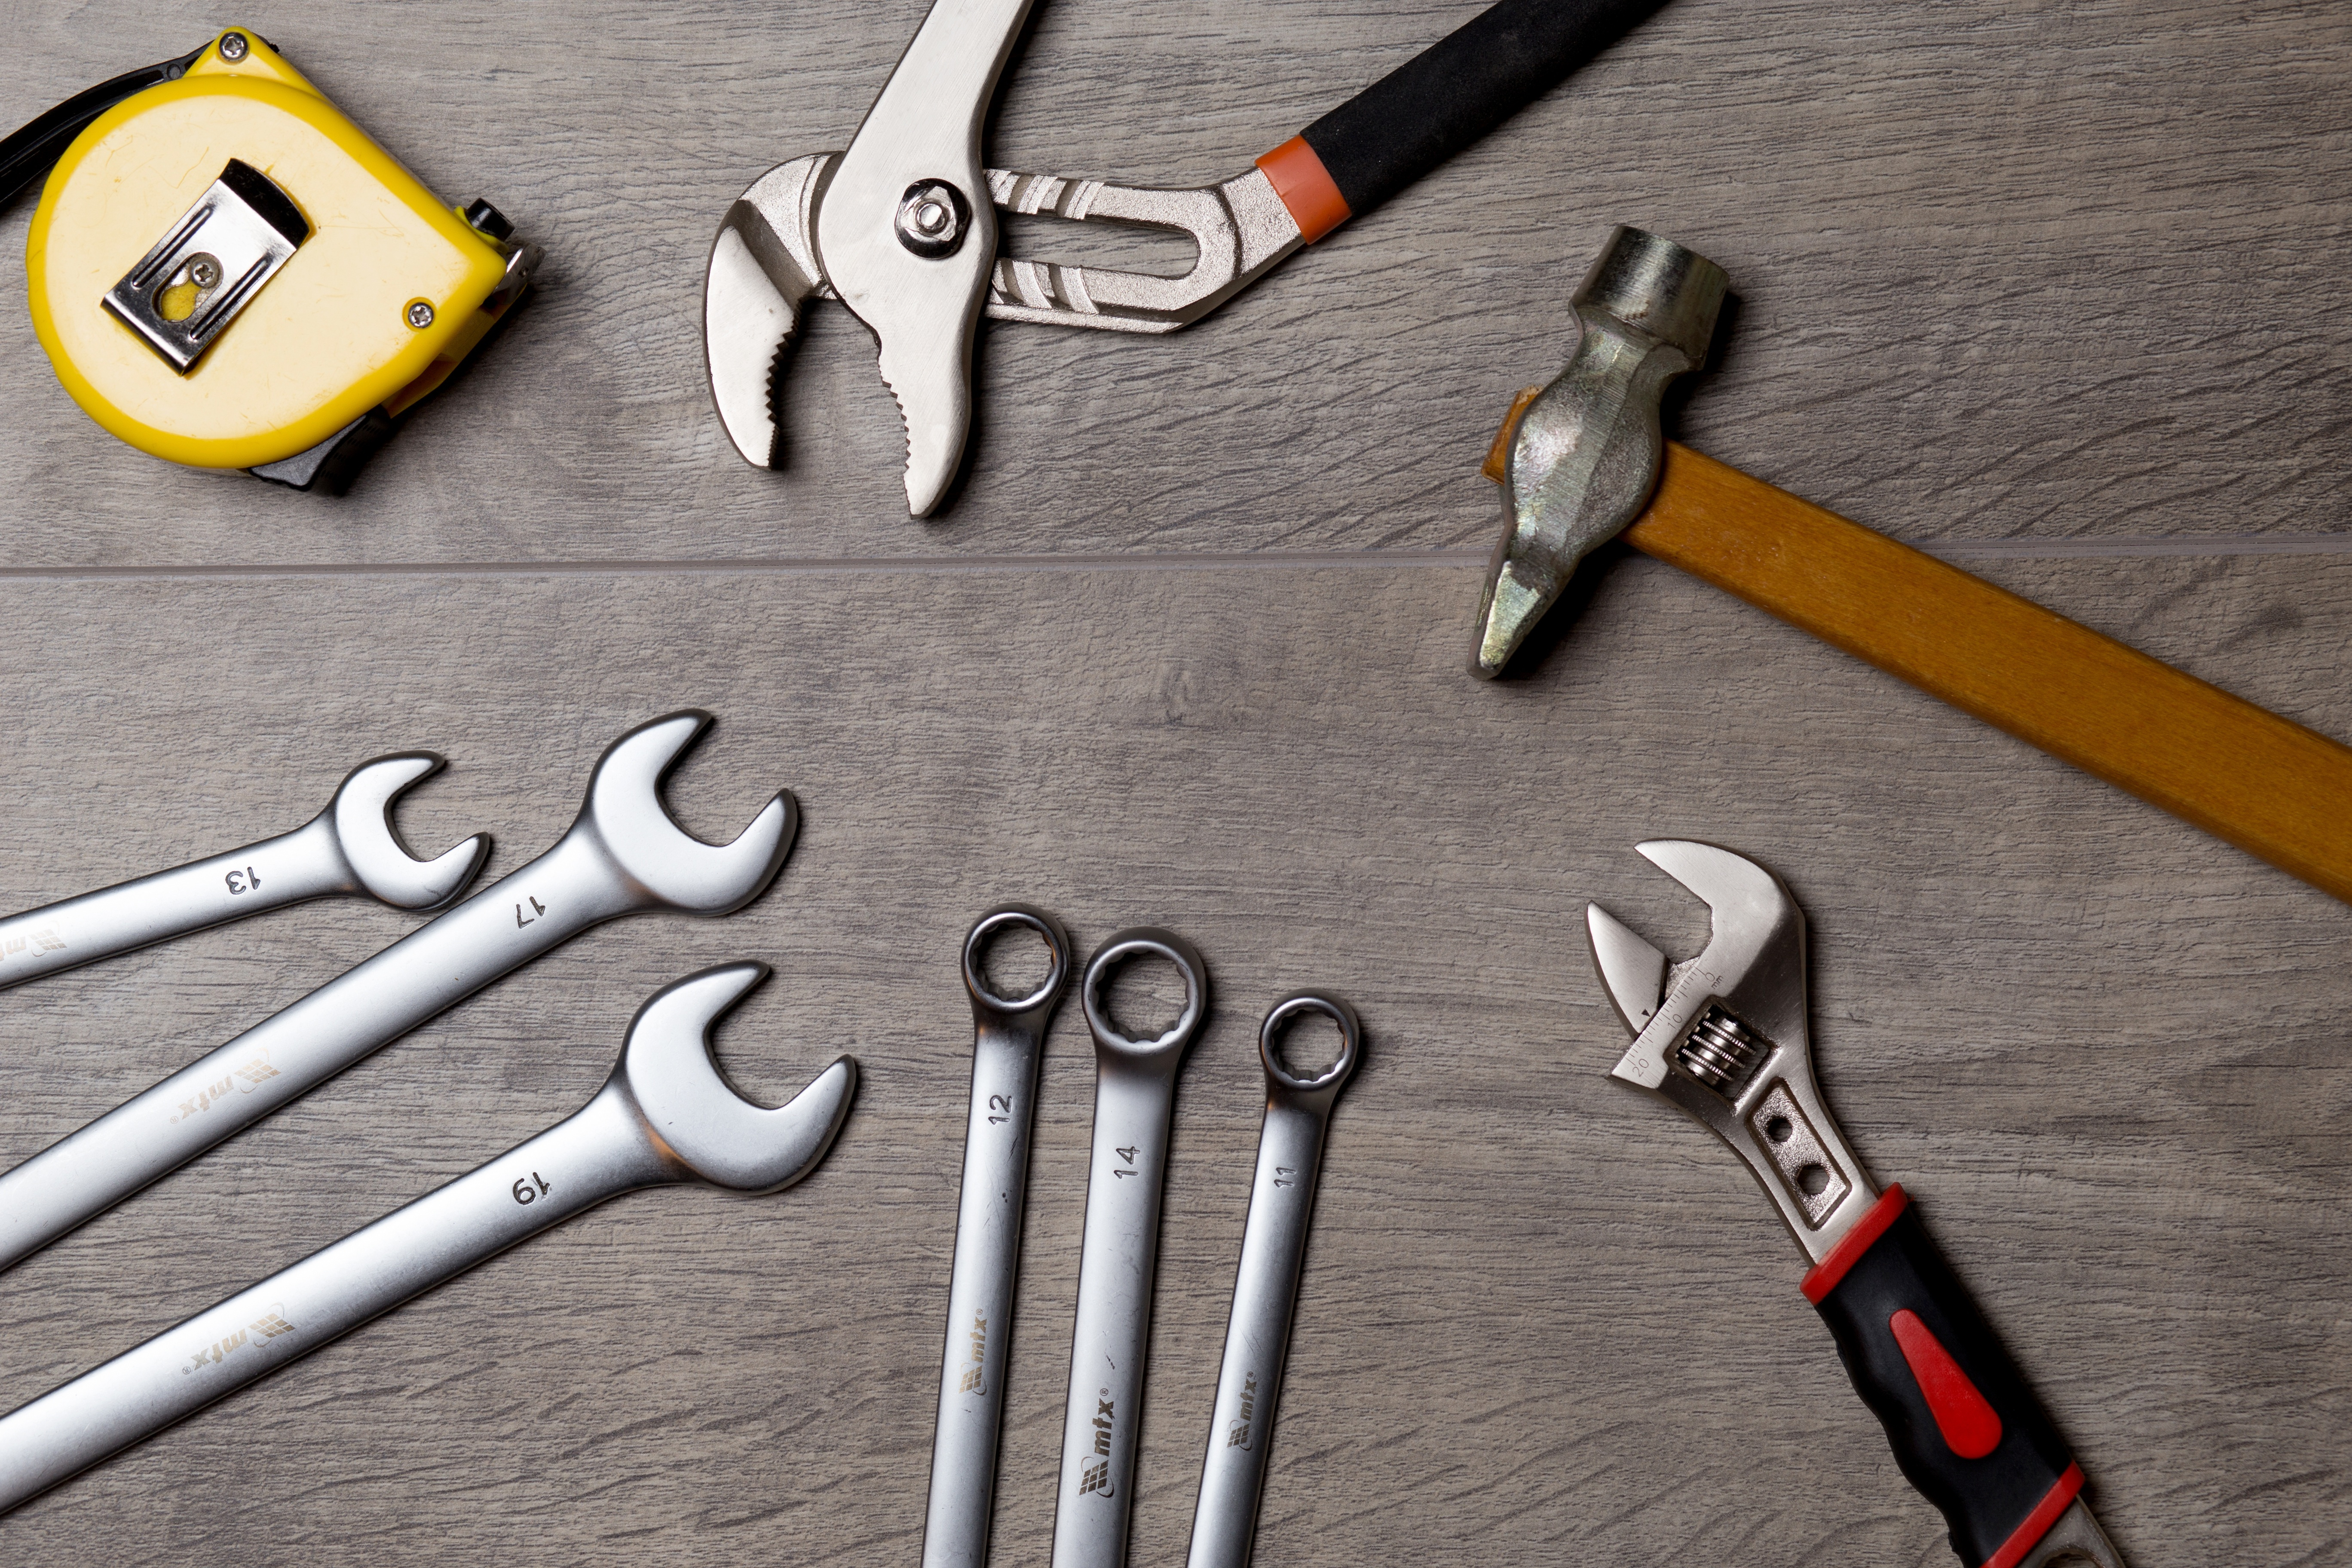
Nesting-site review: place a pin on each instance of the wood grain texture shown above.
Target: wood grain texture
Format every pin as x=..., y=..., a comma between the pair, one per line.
x=1543, y=1317
x=2015, y=278
x=2007, y=270
x=2272, y=788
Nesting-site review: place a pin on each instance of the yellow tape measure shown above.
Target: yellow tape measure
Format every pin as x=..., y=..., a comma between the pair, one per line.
x=227, y=273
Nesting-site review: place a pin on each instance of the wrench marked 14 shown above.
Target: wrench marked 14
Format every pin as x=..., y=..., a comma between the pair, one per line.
x=1135, y=1092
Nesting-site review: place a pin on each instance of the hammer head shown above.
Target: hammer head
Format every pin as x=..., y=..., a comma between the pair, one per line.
x=1584, y=454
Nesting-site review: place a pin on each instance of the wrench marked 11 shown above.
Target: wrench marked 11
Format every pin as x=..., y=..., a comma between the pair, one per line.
x=1265, y=1282
x=1008, y=1042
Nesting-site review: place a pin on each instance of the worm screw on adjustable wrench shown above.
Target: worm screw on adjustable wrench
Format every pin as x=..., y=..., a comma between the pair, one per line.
x=1724, y=1035
x=1009, y=1040
x=1135, y=1093
x=1265, y=1284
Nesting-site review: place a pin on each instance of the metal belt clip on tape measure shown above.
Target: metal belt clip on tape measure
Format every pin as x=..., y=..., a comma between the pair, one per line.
x=227, y=273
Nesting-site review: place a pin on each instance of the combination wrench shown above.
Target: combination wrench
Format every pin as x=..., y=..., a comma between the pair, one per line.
x=1135, y=1092
x=1265, y=1284
x=349, y=848
x=665, y=1116
x=624, y=854
x=1008, y=1042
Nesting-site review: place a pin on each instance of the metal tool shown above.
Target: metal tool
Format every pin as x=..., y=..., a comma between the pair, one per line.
x=902, y=227
x=665, y=1116
x=1724, y=1035
x=1008, y=1042
x=1265, y=1284
x=292, y=294
x=349, y=848
x=1581, y=460
x=626, y=855
x=1135, y=1093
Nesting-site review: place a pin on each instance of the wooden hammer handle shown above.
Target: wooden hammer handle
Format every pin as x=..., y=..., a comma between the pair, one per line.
x=2272, y=788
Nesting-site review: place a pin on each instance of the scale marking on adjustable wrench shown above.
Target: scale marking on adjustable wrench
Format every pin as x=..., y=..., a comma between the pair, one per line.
x=1265, y=1281
x=624, y=854
x=665, y=1115
x=350, y=848
x=1726, y=1037
x=1009, y=1041
x=1135, y=1093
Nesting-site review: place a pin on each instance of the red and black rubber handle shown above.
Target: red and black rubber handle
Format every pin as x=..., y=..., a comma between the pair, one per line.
x=1437, y=103
x=1966, y=1430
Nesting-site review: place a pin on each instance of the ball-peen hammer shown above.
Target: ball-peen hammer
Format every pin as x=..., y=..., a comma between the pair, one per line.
x=1582, y=461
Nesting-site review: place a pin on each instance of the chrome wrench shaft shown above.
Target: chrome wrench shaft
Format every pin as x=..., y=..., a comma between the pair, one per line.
x=349, y=847
x=624, y=854
x=1266, y=1286
x=663, y=1116
x=1135, y=1091
x=1009, y=1040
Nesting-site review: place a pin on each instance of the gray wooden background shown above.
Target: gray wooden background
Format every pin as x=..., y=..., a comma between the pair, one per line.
x=2057, y=289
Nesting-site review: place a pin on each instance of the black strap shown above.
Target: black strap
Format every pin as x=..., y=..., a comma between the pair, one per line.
x=27, y=156
x=1460, y=87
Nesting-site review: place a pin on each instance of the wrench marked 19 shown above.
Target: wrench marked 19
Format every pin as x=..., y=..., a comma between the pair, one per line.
x=624, y=854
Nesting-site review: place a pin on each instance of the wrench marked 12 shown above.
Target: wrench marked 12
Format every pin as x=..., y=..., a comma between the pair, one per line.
x=1008, y=1041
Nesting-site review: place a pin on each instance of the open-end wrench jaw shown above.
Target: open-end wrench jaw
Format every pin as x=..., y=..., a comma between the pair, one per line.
x=1724, y=1035
x=697, y=1118
x=359, y=819
x=628, y=816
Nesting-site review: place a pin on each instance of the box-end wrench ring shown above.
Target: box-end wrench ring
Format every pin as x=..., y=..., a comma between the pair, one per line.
x=352, y=847
x=625, y=854
x=1008, y=1042
x=1265, y=1284
x=665, y=1115
x=1135, y=1093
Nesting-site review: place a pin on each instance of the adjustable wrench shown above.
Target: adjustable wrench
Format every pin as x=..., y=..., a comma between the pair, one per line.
x=349, y=848
x=1265, y=1284
x=626, y=855
x=1725, y=1036
x=665, y=1116
x=1135, y=1092
x=1008, y=1041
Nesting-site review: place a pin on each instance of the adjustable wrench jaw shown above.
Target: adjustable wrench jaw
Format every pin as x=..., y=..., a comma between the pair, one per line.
x=1724, y=1036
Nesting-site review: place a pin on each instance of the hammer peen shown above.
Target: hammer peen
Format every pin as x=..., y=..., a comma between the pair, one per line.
x=1582, y=461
